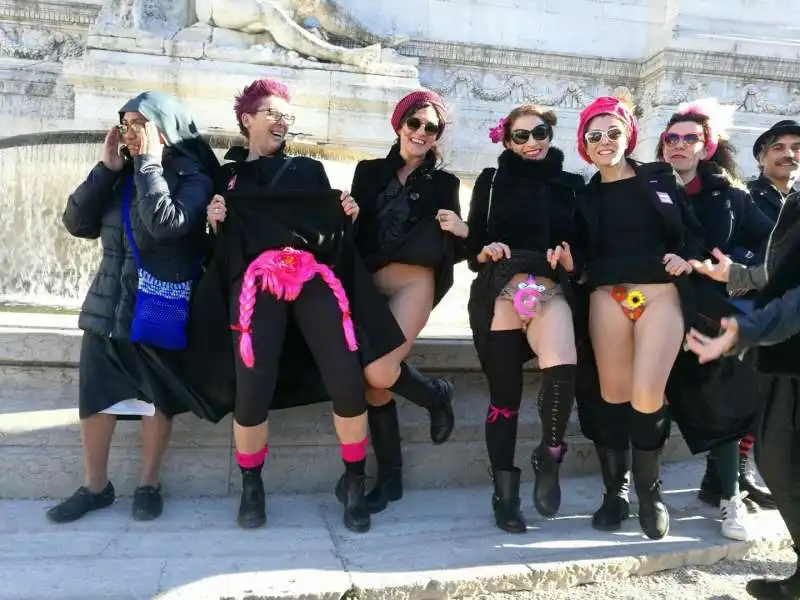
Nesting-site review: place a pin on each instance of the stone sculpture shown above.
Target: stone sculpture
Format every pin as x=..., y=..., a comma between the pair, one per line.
x=319, y=30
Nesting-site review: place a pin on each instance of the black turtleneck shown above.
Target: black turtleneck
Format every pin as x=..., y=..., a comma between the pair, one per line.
x=532, y=204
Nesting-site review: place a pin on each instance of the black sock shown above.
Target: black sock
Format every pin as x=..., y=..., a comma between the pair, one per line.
x=357, y=467
x=648, y=430
x=505, y=351
x=557, y=394
x=614, y=425
x=416, y=387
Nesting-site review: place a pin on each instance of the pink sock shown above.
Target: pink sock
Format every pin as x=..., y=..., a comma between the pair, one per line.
x=355, y=452
x=555, y=451
x=252, y=461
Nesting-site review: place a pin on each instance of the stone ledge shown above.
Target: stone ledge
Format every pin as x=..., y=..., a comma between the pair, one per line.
x=60, y=347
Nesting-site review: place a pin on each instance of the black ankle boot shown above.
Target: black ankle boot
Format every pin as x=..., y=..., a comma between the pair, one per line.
x=546, y=489
x=435, y=395
x=783, y=589
x=747, y=483
x=711, y=487
x=252, y=507
x=615, y=467
x=350, y=492
x=505, y=501
x=653, y=514
x=384, y=431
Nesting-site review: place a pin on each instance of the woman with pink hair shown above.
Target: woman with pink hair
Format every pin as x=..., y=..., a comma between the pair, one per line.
x=410, y=233
x=638, y=237
x=296, y=294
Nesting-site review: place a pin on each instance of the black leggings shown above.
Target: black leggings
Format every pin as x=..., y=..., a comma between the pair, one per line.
x=319, y=319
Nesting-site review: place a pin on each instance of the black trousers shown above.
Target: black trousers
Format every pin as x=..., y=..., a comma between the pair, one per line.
x=319, y=320
x=777, y=448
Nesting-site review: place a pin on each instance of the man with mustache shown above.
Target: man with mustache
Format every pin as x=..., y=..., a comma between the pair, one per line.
x=777, y=151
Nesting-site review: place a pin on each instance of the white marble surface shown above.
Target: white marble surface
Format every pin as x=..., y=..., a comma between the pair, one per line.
x=429, y=544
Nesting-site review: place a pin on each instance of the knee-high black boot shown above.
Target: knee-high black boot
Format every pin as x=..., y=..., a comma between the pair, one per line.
x=384, y=431
x=435, y=395
x=649, y=433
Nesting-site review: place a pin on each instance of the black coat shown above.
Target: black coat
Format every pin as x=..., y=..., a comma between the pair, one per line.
x=168, y=216
x=775, y=327
x=431, y=189
x=766, y=196
x=730, y=219
x=300, y=211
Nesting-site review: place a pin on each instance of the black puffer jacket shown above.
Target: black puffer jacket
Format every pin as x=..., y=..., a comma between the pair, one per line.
x=168, y=220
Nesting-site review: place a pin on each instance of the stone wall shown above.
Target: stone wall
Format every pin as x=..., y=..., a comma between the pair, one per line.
x=485, y=56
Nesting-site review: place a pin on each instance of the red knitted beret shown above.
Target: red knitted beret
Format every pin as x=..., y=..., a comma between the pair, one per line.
x=416, y=98
x=607, y=105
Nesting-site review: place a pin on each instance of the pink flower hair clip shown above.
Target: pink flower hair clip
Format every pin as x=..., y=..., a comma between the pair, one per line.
x=496, y=133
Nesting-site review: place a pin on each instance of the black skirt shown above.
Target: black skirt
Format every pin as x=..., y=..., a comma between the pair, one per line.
x=115, y=370
x=491, y=279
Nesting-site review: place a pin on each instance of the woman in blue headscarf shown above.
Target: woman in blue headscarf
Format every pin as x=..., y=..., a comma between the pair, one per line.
x=146, y=201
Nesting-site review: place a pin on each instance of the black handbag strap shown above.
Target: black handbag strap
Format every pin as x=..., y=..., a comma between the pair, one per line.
x=280, y=172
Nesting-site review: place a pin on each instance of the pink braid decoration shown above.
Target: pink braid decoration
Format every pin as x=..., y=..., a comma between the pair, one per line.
x=527, y=297
x=496, y=133
x=283, y=273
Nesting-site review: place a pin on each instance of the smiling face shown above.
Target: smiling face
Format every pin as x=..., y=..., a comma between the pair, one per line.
x=684, y=146
x=530, y=127
x=419, y=132
x=268, y=125
x=606, y=140
x=780, y=159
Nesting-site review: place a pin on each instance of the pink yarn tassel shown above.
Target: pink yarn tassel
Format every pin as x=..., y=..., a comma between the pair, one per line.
x=284, y=273
x=333, y=282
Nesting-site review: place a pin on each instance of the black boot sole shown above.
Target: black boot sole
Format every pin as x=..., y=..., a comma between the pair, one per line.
x=510, y=528
x=251, y=522
x=710, y=497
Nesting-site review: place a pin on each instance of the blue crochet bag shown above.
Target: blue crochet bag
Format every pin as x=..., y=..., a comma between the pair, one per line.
x=161, y=314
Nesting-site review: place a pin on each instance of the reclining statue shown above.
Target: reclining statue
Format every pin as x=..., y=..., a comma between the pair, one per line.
x=301, y=26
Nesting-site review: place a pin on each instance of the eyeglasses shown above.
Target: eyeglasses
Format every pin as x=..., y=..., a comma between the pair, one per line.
x=673, y=139
x=595, y=136
x=135, y=127
x=540, y=132
x=274, y=115
x=430, y=128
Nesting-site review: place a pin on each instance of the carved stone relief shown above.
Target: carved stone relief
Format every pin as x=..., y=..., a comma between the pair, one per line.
x=38, y=43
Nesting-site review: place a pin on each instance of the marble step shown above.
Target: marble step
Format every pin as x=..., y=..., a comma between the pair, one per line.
x=41, y=456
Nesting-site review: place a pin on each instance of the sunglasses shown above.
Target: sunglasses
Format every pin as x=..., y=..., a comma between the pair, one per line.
x=595, y=136
x=430, y=128
x=132, y=127
x=673, y=139
x=540, y=132
x=274, y=115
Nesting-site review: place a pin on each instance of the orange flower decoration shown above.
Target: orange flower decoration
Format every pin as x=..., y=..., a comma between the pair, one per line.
x=618, y=293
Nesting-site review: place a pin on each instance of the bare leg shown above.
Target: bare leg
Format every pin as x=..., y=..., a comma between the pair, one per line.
x=611, y=333
x=658, y=336
x=250, y=440
x=551, y=334
x=350, y=430
x=96, y=433
x=155, y=437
